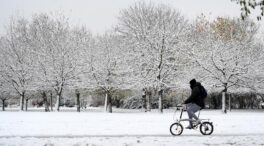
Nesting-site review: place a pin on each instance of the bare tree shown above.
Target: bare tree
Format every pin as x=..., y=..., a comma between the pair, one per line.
x=248, y=5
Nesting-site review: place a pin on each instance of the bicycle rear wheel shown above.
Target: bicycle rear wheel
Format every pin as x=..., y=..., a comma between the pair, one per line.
x=206, y=128
x=176, y=129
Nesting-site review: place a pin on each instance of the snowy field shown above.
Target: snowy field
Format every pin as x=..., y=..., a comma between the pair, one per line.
x=126, y=128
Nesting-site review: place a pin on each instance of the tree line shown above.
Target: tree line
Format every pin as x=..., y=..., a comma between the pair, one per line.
x=152, y=48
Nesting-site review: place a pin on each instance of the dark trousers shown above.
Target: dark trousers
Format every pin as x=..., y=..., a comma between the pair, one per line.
x=192, y=108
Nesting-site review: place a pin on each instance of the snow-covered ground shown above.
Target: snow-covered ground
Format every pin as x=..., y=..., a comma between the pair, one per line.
x=126, y=128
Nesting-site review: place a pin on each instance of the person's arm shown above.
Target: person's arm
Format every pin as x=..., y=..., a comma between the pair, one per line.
x=195, y=92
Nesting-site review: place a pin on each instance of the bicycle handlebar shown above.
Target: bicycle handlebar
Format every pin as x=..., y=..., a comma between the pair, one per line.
x=181, y=105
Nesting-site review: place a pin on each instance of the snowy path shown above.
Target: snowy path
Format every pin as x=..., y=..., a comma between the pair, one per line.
x=125, y=136
x=136, y=141
x=70, y=128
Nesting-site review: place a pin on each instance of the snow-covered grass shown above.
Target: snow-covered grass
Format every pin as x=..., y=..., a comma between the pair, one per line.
x=126, y=127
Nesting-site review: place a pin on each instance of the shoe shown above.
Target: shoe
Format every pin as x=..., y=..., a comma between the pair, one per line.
x=189, y=127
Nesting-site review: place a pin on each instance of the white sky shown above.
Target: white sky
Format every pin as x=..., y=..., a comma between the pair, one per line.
x=100, y=15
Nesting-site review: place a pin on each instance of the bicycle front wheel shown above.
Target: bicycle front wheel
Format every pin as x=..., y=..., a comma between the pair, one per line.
x=176, y=129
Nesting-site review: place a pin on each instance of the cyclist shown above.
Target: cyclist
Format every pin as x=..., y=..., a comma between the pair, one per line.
x=195, y=102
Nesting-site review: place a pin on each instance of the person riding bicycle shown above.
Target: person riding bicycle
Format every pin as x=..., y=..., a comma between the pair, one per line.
x=195, y=102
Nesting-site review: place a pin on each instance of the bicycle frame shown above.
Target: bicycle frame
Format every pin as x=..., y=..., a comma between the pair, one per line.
x=183, y=120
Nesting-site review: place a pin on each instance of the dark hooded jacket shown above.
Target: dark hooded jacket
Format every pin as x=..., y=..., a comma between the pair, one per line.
x=196, y=96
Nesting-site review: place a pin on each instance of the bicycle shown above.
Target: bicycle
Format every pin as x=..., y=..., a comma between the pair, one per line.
x=206, y=127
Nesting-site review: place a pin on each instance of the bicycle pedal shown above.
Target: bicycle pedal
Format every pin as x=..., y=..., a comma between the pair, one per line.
x=194, y=127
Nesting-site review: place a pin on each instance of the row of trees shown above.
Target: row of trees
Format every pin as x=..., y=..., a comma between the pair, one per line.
x=152, y=48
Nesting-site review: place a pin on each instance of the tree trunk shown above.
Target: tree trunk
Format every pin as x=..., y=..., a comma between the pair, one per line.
x=223, y=102
x=58, y=97
x=108, y=102
x=51, y=103
x=57, y=105
x=224, y=98
x=45, y=100
x=144, y=100
x=22, y=97
x=78, y=100
x=148, y=100
x=160, y=94
x=3, y=106
x=26, y=106
x=160, y=90
x=229, y=102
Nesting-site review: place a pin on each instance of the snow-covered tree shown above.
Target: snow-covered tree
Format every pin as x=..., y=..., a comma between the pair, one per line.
x=5, y=93
x=224, y=49
x=84, y=44
x=109, y=68
x=17, y=58
x=4, y=96
x=254, y=80
x=155, y=33
x=56, y=52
